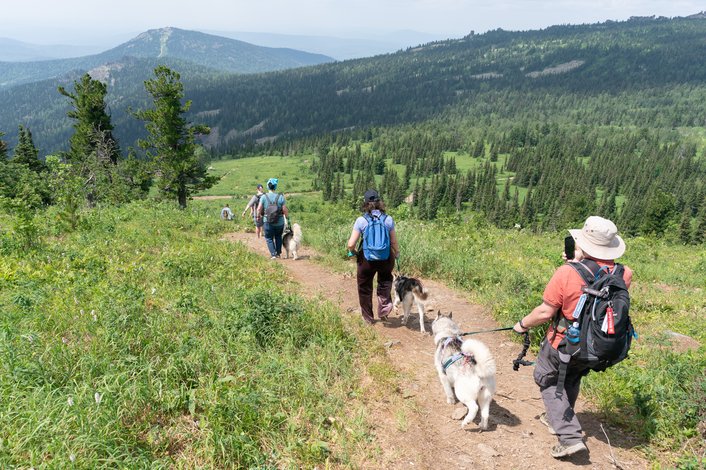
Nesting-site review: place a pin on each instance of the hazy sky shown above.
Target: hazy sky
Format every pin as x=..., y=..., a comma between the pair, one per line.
x=102, y=21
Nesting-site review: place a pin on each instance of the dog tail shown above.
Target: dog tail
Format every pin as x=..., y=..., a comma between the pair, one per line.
x=484, y=362
x=419, y=292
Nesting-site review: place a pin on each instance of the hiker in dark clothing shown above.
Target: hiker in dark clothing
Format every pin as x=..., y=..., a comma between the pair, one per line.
x=252, y=205
x=377, y=256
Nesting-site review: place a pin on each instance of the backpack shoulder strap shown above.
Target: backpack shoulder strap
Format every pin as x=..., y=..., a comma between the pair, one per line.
x=619, y=270
x=583, y=269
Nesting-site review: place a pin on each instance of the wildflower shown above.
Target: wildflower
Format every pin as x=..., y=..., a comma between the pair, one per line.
x=70, y=401
x=98, y=397
x=154, y=289
x=72, y=457
x=93, y=314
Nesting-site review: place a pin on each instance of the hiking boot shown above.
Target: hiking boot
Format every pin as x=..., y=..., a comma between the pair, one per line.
x=562, y=450
x=545, y=421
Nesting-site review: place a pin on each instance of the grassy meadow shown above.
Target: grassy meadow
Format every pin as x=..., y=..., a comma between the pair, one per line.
x=142, y=341
x=658, y=394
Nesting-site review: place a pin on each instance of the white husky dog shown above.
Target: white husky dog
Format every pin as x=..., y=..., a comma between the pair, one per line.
x=466, y=369
x=409, y=290
x=292, y=241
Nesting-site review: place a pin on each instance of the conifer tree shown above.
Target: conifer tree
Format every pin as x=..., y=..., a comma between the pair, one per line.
x=685, y=226
x=91, y=119
x=172, y=139
x=699, y=234
x=26, y=153
x=3, y=149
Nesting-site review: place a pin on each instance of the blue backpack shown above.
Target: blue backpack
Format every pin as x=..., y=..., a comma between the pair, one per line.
x=376, y=239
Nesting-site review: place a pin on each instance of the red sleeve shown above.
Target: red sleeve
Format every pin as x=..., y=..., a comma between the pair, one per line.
x=554, y=292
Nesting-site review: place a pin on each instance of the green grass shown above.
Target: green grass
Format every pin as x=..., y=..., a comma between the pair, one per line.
x=658, y=394
x=239, y=177
x=141, y=341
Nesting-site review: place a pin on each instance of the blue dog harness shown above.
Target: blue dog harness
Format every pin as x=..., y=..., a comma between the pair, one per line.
x=456, y=357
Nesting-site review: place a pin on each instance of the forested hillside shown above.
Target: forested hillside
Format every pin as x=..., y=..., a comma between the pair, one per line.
x=646, y=72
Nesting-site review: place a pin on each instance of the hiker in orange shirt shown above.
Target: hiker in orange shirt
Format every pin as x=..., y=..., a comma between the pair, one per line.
x=597, y=247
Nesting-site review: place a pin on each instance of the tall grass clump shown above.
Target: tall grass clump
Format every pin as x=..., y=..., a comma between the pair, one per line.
x=140, y=340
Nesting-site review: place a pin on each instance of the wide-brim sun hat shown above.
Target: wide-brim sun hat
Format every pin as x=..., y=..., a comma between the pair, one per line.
x=599, y=239
x=273, y=182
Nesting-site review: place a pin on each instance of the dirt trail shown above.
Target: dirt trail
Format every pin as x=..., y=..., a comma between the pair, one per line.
x=430, y=438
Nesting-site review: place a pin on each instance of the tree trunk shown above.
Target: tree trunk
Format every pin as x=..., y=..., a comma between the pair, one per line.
x=182, y=196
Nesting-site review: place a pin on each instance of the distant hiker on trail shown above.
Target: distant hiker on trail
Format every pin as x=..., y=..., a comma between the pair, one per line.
x=378, y=254
x=253, y=205
x=226, y=213
x=272, y=209
x=566, y=353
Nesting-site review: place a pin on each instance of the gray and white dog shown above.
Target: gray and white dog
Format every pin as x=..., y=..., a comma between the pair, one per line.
x=466, y=369
x=292, y=241
x=409, y=290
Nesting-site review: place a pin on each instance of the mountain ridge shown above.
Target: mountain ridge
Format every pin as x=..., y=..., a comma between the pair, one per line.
x=215, y=52
x=644, y=71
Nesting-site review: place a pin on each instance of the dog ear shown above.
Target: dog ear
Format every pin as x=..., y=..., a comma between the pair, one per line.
x=438, y=314
x=451, y=314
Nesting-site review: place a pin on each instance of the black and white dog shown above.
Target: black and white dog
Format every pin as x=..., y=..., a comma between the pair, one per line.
x=409, y=290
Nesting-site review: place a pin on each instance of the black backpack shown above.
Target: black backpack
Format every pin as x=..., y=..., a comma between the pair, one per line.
x=603, y=315
x=273, y=211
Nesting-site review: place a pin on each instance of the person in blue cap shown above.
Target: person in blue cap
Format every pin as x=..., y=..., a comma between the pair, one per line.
x=273, y=211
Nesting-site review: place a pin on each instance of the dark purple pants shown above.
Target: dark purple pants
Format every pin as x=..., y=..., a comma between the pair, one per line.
x=366, y=273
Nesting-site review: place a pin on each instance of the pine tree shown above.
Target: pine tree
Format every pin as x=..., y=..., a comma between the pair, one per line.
x=407, y=179
x=91, y=119
x=171, y=141
x=685, y=226
x=26, y=153
x=699, y=234
x=3, y=149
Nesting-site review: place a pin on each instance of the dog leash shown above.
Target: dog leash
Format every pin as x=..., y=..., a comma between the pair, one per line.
x=520, y=359
x=468, y=333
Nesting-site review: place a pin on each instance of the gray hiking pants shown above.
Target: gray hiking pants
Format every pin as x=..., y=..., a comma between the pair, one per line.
x=560, y=409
